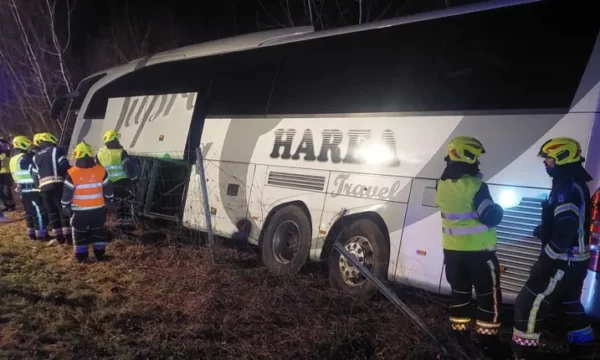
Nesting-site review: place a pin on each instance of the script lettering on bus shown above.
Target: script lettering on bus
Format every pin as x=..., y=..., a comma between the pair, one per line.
x=139, y=111
x=330, y=150
x=345, y=187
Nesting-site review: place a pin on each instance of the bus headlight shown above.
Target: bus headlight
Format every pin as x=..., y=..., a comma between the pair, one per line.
x=507, y=199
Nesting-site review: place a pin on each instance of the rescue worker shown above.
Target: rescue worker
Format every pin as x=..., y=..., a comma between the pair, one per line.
x=50, y=166
x=35, y=215
x=469, y=218
x=556, y=279
x=87, y=190
x=122, y=175
x=36, y=141
x=6, y=180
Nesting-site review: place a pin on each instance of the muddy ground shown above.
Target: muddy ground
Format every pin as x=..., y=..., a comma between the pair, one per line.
x=162, y=299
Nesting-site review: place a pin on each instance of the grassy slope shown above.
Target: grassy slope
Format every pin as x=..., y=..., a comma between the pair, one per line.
x=161, y=302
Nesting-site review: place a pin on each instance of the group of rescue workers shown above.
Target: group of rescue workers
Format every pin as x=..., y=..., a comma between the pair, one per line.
x=76, y=197
x=469, y=220
x=71, y=201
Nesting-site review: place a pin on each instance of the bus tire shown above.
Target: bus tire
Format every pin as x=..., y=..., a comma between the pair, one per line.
x=286, y=241
x=364, y=239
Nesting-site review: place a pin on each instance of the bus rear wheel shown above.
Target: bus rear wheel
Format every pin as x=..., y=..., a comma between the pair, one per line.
x=286, y=241
x=365, y=241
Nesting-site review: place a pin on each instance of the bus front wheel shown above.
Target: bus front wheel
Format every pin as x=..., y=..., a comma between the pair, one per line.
x=365, y=241
x=286, y=242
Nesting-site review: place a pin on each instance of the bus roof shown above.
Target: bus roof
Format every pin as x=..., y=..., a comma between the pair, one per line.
x=289, y=35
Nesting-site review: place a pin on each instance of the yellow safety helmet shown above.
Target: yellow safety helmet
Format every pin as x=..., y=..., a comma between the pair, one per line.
x=110, y=135
x=36, y=139
x=82, y=150
x=21, y=142
x=563, y=150
x=44, y=137
x=464, y=149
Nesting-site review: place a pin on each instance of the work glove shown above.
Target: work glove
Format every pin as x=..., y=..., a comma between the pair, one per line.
x=67, y=211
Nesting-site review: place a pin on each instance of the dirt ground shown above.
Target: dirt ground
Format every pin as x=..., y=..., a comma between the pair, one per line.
x=164, y=301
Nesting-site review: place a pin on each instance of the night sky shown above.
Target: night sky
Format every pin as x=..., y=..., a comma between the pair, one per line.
x=212, y=19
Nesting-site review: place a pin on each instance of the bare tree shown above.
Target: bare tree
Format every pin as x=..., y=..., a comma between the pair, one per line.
x=34, y=53
x=127, y=37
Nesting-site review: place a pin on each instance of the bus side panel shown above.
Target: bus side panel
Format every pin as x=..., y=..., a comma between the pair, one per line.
x=420, y=258
x=351, y=194
x=255, y=210
x=527, y=168
x=305, y=187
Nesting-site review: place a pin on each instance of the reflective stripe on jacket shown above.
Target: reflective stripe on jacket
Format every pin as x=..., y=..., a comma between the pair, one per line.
x=20, y=176
x=461, y=228
x=111, y=159
x=50, y=165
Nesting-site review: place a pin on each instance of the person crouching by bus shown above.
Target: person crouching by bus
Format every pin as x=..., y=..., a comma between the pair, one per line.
x=121, y=174
x=35, y=215
x=6, y=180
x=469, y=217
x=86, y=192
x=50, y=166
x=557, y=277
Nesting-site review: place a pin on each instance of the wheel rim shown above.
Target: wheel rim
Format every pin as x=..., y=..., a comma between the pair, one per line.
x=286, y=241
x=362, y=250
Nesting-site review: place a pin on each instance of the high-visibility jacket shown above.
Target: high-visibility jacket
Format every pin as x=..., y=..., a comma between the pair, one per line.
x=112, y=159
x=19, y=169
x=4, y=164
x=461, y=228
x=87, y=185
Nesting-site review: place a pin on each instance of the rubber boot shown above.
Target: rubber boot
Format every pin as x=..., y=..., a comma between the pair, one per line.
x=41, y=235
x=100, y=255
x=81, y=253
x=58, y=236
x=68, y=236
x=31, y=233
x=10, y=207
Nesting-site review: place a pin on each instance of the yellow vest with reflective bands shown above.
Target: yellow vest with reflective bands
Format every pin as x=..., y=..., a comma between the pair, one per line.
x=461, y=229
x=19, y=175
x=4, y=166
x=111, y=160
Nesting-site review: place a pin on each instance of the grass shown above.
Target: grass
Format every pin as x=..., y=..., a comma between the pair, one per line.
x=157, y=301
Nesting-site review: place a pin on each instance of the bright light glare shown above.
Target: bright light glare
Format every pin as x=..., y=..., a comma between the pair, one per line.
x=507, y=199
x=374, y=154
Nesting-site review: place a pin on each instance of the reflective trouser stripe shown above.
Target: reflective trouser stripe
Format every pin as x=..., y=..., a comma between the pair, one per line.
x=540, y=297
x=494, y=287
x=460, y=320
x=585, y=256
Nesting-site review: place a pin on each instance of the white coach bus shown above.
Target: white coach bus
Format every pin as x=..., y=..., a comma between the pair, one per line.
x=311, y=136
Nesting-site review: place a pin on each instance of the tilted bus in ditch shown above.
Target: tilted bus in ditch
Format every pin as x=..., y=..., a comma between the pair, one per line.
x=312, y=136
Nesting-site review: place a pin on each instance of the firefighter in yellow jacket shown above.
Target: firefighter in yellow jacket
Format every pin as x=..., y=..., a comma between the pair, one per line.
x=469, y=216
x=86, y=192
x=6, y=180
x=121, y=174
x=35, y=214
